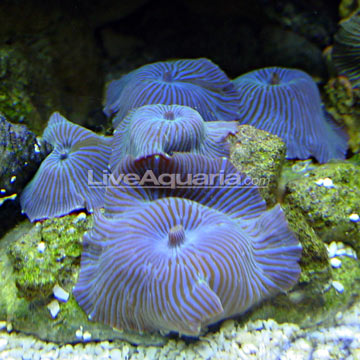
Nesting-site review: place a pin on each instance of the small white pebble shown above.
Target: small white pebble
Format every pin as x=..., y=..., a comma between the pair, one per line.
x=115, y=354
x=351, y=253
x=328, y=183
x=71, y=231
x=339, y=316
x=41, y=247
x=36, y=148
x=54, y=308
x=9, y=327
x=354, y=217
x=13, y=178
x=335, y=262
x=125, y=351
x=249, y=349
x=338, y=286
x=319, y=182
x=80, y=217
x=2, y=325
x=342, y=252
x=105, y=345
x=79, y=333
x=332, y=249
x=321, y=354
x=3, y=191
x=3, y=344
x=151, y=352
x=86, y=336
x=257, y=325
x=60, y=293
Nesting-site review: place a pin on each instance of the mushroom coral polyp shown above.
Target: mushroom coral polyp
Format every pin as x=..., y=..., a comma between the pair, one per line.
x=287, y=103
x=197, y=83
x=171, y=263
x=165, y=129
x=60, y=185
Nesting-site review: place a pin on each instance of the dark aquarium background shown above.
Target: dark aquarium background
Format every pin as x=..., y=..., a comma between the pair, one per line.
x=63, y=52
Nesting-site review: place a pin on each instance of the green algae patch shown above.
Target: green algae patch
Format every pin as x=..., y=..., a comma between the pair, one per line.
x=304, y=304
x=315, y=302
x=347, y=275
x=37, y=271
x=327, y=209
x=343, y=103
x=28, y=278
x=314, y=258
x=293, y=170
x=260, y=155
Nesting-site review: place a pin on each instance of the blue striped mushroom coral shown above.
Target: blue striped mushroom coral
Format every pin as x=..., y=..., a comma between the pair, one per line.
x=183, y=175
x=197, y=83
x=346, y=50
x=61, y=184
x=165, y=129
x=161, y=262
x=287, y=103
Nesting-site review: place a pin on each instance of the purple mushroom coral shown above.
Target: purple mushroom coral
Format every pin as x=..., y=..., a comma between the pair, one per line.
x=164, y=129
x=287, y=103
x=346, y=51
x=198, y=83
x=179, y=263
x=186, y=176
x=61, y=183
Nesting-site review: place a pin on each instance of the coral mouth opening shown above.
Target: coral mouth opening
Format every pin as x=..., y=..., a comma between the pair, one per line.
x=169, y=115
x=176, y=236
x=167, y=76
x=275, y=79
x=64, y=156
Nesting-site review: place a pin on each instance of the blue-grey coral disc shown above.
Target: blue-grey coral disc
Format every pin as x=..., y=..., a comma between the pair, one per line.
x=213, y=182
x=165, y=129
x=287, y=103
x=197, y=83
x=346, y=50
x=177, y=265
x=63, y=182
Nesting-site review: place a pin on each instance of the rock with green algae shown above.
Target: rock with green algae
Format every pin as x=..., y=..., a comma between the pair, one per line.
x=304, y=303
x=327, y=207
x=47, y=255
x=260, y=155
x=343, y=103
x=15, y=102
x=310, y=301
x=32, y=262
x=314, y=303
x=313, y=300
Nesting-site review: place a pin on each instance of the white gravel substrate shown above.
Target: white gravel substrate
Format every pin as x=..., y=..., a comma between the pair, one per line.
x=256, y=340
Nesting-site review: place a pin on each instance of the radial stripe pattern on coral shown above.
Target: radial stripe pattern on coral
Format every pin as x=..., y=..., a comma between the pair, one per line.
x=177, y=265
x=287, y=103
x=197, y=83
x=61, y=183
x=346, y=50
x=165, y=129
